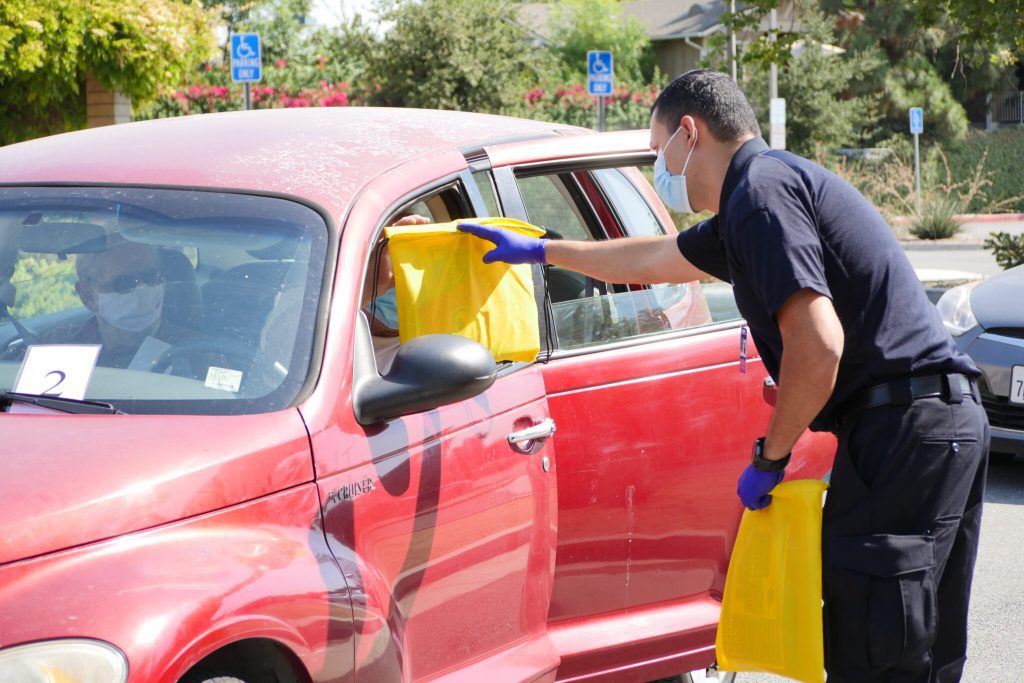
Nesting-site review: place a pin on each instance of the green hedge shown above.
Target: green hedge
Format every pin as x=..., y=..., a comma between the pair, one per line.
x=1002, y=165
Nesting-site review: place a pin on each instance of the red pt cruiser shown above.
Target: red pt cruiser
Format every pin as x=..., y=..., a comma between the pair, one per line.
x=217, y=462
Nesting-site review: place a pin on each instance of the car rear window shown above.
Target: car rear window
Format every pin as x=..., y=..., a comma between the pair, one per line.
x=196, y=302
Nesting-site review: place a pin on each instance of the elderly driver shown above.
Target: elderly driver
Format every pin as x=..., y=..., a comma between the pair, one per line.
x=124, y=289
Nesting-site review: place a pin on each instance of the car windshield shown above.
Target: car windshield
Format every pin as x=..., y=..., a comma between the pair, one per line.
x=158, y=300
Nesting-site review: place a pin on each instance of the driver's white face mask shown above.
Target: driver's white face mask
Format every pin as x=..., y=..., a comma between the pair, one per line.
x=132, y=311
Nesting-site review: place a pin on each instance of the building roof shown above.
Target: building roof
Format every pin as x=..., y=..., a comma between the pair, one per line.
x=663, y=19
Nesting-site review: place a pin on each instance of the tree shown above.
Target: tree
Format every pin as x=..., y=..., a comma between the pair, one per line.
x=578, y=26
x=47, y=48
x=898, y=57
x=820, y=110
x=983, y=28
x=453, y=54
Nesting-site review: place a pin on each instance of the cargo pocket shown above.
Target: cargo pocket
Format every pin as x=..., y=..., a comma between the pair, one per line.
x=899, y=583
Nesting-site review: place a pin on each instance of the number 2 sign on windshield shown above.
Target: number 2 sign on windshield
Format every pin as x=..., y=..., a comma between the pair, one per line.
x=57, y=370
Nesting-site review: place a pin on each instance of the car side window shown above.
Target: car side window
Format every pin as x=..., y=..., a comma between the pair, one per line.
x=378, y=299
x=482, y=180
x=585, y=312
x=634, y=213
x=549, y=205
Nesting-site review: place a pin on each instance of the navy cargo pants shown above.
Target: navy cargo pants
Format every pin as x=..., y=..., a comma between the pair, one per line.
x=899, y=539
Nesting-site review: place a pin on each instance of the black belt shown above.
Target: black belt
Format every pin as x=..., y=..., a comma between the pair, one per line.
x=952, y=388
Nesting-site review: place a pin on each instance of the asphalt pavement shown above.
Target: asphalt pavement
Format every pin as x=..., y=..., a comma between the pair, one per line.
x=996, y=620
x=962, y=256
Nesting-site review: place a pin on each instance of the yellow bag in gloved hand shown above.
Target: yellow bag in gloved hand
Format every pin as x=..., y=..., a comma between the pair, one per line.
x=444, y=287
x=771, y=610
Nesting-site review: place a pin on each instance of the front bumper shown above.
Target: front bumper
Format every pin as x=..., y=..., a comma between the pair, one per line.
x=995, y=355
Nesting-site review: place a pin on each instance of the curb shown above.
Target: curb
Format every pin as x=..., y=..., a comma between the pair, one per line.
x=962, y=218
x=989, y=217
x=940, y=246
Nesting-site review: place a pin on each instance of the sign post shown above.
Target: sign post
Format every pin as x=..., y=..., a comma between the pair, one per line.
x=600, y=77
x=916, y=128
x=777, y=119
x=246, y=61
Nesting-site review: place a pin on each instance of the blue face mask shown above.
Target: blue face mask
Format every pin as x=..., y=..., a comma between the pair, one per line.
x=672, y=188
x=385, y=308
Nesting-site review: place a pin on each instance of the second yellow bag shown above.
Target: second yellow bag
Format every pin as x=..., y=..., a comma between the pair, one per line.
x=771, y=610
x=443, y=286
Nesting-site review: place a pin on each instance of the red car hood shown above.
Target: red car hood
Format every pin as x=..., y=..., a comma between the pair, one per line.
x=66, y=480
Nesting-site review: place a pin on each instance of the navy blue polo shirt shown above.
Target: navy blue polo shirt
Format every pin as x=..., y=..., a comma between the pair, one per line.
x=786, y=224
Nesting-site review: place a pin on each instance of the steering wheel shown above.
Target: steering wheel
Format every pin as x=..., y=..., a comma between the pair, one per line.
x=189, y=357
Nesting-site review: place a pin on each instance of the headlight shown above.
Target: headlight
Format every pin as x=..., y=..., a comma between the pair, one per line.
x=955, y=308
x=63, y=661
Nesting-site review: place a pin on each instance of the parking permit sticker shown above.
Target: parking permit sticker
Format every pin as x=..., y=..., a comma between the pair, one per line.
x=223, y=378
x=57, y=370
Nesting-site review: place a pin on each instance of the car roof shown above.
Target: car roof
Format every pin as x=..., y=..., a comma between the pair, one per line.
x=322, y=154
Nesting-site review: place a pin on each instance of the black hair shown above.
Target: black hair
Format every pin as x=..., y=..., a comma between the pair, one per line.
x=711, y=96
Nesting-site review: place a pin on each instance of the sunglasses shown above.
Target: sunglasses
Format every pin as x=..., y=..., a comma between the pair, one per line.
x=129, y=282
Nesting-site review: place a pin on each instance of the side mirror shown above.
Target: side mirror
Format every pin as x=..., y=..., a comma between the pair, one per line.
x=427, y=372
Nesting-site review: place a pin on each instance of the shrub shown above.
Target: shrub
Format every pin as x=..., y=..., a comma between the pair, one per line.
x=1002, y=150
x=889, y=184
x=938, y=219
x=570, y=103
x=1008, y=249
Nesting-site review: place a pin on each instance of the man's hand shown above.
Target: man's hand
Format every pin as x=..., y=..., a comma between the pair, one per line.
x=510, y=246
x=754, y=486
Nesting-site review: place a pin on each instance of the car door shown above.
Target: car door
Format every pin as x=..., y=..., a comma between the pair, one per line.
x=656, y=414
x=445, y=529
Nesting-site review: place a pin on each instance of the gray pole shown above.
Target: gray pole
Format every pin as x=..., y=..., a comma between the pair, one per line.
x=917, y=174
x=248, y=98
x=600, y=113
x=732, y=41
x=773, y=71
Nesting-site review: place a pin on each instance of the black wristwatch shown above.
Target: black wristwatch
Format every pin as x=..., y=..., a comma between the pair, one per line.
x=764, y=464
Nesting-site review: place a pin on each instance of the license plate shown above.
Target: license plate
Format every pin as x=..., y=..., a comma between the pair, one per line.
x=1017, y=385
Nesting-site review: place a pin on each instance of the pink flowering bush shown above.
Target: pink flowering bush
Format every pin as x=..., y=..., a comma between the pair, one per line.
x=625, y=108
x=213, y=91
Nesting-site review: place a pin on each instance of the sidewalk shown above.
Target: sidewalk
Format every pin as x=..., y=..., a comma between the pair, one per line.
x=944, y=263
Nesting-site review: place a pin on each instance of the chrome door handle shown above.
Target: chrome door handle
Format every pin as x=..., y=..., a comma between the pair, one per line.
x=541, y=430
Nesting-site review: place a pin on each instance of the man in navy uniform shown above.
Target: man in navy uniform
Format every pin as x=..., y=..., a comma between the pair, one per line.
x=846, y=330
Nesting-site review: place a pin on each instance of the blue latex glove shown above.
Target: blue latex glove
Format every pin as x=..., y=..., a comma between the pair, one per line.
x=754, y=485
x=510, y=246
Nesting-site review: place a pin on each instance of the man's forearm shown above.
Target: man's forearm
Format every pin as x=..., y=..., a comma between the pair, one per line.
x=812, y=348
x=630, y=260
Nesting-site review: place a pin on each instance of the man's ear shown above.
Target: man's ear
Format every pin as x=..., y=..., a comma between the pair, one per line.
x=689, y=123
x=87, y=295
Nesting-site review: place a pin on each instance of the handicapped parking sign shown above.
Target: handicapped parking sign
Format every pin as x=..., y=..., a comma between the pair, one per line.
x=600, y=72
x=246, y=58
x=916, y=120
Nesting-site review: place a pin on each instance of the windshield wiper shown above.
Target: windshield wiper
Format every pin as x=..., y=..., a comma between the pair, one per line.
x=63, y=405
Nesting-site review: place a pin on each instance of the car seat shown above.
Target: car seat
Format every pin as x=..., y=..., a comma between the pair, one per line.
x=238, y=300
x=183, y=302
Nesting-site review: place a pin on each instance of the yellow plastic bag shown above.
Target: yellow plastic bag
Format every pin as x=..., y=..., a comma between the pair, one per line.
x=771, y=609
x=443, y=286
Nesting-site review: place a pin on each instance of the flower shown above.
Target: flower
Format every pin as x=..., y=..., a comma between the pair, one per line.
x=281, y=63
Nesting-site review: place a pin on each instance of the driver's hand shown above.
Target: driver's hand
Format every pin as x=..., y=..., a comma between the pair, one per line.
x=411, y=220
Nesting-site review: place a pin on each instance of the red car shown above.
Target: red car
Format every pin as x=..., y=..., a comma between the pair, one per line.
x=239, y=485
